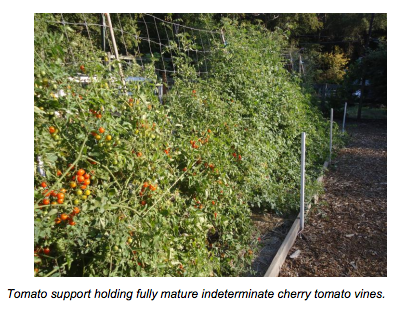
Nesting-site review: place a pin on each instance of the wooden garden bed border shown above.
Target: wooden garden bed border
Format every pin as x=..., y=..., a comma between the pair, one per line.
x=280, y=257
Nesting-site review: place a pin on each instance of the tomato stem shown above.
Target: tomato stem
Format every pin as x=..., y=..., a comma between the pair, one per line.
x=167, y=191
x=109, y=171
x=55, y=270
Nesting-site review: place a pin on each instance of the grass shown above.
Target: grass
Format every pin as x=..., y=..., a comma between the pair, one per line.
x=367, y=112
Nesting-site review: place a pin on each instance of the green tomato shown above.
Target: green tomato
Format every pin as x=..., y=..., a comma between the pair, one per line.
x=76, y=202
x=79, y=192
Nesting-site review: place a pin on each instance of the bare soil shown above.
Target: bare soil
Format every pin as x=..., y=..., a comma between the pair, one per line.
x=346, y=232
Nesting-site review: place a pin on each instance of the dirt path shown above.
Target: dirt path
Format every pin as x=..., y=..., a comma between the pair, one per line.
x=346, y=233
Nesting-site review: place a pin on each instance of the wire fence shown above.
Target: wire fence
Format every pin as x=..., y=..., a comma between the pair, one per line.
x=140, y=39
x=145, y=39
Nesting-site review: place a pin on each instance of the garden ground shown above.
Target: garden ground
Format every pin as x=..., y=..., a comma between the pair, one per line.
x=346, y=233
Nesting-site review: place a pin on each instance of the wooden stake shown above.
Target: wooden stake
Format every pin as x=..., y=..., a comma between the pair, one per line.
x=111, y=31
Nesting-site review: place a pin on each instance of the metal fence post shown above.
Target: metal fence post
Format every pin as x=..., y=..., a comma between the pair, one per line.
x=160, y=92
x=331, y=121
x=343, y=121
x=102, y=22
x=302, y=179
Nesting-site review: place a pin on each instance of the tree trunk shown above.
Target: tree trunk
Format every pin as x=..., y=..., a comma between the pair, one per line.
x=359, y=116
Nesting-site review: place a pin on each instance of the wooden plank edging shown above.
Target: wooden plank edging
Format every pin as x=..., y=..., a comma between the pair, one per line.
x=280, y=257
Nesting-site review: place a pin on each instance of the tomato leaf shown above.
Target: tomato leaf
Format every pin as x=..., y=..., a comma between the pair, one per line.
x=52, y=212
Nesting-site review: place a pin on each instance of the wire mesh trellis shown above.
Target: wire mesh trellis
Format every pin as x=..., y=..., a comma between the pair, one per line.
x=141, y=39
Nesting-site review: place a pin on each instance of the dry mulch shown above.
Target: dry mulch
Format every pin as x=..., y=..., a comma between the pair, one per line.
x=346, y=232
x=271, y=231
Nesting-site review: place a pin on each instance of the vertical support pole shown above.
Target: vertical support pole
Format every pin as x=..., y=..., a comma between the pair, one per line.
x=102, y=22
x=40, y=167
x=302, y=179
x=111, y=30
x=300, y=64
x=160, y=92
x=331, y=122
x=223, y=39
x=343, y=120
x=291, y=62
x=165, y=82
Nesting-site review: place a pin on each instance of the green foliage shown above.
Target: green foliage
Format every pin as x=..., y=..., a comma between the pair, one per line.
x=271, y=109
x=172, y=187
x=373, y=66
x=333, y=67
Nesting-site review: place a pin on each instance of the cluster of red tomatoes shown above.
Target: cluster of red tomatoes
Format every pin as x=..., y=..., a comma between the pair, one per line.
x=97, y=114
x=198, y=204
x=145, y=186
x=52, y=197
x=68, y=218
x=45, y=250
x=54, y=133
x=202, y=141
x=210, y=165
x=194, y=145
x=137, y=153
x=98, y=136
x=81, y=179
x=237, y=157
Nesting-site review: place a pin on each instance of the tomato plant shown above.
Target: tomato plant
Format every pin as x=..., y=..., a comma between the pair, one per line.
x=171, y=185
